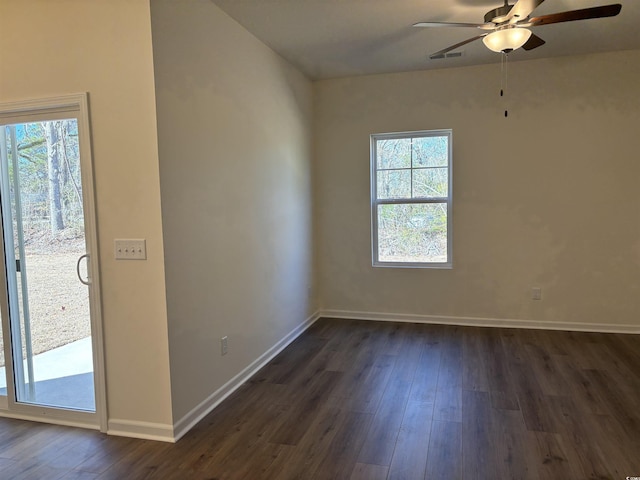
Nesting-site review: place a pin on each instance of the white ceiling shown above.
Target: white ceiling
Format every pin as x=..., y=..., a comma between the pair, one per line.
x=337, y=38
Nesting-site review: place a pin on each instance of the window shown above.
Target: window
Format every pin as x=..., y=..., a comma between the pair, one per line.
x=411, y=199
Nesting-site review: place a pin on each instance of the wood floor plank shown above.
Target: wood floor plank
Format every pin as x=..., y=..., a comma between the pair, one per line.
x=619, y=450
x=78, y=475
x=12, y=430
x=303, y=460
x=305, y=349
x=381, y=440
x=243, y=466
x=370, y=386
x=553, y=342
x=111, y=451
x=576, y=430
x=292, y=428
x=334, y=346
x=285, y=461
x=142, y=462
x=621, y=406
x=450, y=373
x=364, y=471
x=477, y=435
x=557, y=460
x=448, y=405
x=355, y=344
x=339, y=459
x=584, y=394
x=474, y=373
x=531, y=398
x=618, y=364
x=627, y=347
x=444, y=459
x=8, y=465
x=66, y=456
x=576, y=345
x=56, y=450
x=500, y=386
x=514, y=458
x=29, y=471
x=301, y=352
x=545, y=370
x=398, y=337
x=425, y=380
x=409, y=459
x=329, y=328
x=14, y=469
x=30, y=441
x=244, y=441
x=200, y=446
x=504, y=400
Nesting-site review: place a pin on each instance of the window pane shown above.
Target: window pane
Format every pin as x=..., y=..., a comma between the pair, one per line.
x=430, y=151
x=393, y=153
x=430, y=182
x=394, y=184
x=412, y=233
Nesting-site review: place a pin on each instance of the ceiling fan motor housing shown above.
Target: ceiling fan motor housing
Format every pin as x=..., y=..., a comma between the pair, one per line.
x=497, y=12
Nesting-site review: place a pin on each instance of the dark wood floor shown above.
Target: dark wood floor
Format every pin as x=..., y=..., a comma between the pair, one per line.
x=367, y=401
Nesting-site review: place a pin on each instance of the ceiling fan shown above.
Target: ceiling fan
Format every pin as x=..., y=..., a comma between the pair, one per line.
x=507, y=27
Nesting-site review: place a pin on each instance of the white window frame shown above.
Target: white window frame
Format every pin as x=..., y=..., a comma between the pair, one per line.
x=375, y=201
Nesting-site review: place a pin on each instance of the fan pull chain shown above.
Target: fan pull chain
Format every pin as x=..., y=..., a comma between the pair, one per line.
x=505, y=78
x=502, y=75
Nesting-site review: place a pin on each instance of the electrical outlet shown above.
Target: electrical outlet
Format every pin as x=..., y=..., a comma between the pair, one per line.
x=536, y=293
x=224, y=345
x=130, y=249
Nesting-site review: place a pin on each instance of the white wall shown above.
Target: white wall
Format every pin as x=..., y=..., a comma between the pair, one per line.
x=234, y=130
x=547, y=197
x=55, y=48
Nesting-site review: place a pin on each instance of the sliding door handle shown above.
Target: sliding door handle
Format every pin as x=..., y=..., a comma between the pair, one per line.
x=88, y=280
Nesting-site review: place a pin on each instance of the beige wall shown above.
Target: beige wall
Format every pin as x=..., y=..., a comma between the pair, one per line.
x=104, y=47
x=547, y=197
x=234, y=131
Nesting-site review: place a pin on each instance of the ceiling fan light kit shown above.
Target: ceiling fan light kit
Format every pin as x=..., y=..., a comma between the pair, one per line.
x=506, y=40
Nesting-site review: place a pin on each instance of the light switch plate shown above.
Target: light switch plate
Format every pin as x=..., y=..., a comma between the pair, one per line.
x=130, y=249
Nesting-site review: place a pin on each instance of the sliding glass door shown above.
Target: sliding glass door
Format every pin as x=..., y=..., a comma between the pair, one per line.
x=51, y=296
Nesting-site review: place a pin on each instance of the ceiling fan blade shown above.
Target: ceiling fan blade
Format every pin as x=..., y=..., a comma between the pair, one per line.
x=533, y=42
x=521, y=10
x=453, y=47
x=583, y=14
x=484, y=26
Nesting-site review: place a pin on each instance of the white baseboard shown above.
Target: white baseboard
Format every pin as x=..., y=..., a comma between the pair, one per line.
x=145, y=430
x=482, y=322
x=182, y=426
